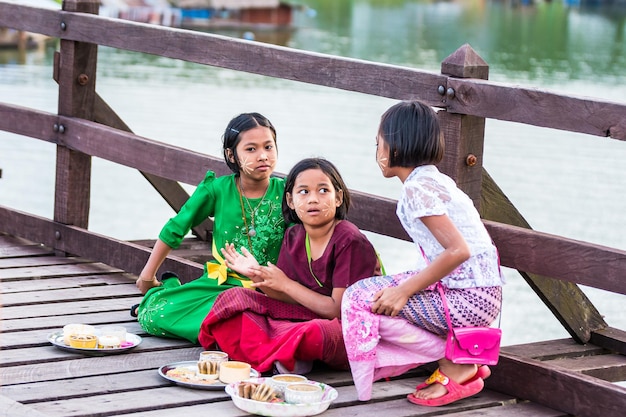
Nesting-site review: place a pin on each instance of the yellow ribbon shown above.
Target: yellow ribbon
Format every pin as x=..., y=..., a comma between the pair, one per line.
x=220, y=272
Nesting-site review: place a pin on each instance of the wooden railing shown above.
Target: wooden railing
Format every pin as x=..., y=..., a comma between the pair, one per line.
x=85, y=126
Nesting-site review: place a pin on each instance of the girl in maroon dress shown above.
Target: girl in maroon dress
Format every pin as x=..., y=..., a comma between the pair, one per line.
x=294, y=319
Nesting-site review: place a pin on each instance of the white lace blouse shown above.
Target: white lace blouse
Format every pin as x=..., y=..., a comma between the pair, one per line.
x=428, y=192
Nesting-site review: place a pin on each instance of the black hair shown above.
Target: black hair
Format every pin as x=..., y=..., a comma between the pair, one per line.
x=411, y=131
x=232, y=135
x=327, y=168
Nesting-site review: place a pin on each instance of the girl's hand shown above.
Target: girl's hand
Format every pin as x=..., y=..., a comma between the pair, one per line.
x=271, y=277
x=243, y=263
x=389, y=301
x=144, y=284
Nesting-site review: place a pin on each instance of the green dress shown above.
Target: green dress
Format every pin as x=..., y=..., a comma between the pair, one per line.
x=177, y=311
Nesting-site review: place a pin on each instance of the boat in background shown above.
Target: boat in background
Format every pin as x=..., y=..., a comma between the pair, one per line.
x=236, y=14
x=204, y=14
x=157, y=12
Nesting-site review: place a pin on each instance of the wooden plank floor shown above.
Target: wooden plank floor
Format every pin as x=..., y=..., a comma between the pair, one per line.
x=41, y=292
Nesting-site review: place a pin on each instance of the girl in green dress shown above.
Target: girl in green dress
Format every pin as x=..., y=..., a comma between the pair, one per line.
x=246, y=209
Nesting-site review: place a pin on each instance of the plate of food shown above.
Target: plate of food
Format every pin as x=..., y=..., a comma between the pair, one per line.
x=95, y=341
x=187, y=374
x=258, y=396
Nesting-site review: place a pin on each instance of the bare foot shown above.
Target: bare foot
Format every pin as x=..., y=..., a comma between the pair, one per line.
x=458, y=373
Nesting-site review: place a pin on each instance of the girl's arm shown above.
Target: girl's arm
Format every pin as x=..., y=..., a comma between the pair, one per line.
x=390, y=301
x=274, y=283
x=147, y=278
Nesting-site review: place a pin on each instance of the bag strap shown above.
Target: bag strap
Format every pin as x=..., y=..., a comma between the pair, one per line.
x=445, y=304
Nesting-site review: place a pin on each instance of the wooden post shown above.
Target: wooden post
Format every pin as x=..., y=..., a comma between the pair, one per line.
x=77, y=80
x=464, y=135
x=463, y=162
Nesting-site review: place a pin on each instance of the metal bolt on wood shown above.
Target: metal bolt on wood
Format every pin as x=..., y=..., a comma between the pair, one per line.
x=57, y=235
x=63, y=26
x=441, y=90
x=450, y=93
x=83, y=79
x=471, y=160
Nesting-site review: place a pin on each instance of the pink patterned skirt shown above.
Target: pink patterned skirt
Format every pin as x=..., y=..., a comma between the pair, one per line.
x=382, y=346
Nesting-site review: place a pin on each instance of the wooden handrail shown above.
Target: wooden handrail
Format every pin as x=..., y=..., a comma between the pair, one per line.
x=520, y=248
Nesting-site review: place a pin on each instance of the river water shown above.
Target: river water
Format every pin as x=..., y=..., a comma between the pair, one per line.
x=563, y=183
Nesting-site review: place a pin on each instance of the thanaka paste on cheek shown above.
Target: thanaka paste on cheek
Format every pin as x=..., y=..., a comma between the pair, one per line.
x=382, y=163
x=245, y=165
x=299, y=211
x=327, y=210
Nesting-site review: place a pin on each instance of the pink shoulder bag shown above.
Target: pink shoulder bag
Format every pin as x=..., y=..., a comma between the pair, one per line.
x=471, y=345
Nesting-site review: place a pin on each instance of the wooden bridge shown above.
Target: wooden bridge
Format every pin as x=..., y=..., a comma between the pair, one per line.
x=55, y=271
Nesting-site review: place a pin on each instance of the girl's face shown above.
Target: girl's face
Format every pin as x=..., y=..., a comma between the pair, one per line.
x=314, y=198
x=382, y=157
x=256, y=152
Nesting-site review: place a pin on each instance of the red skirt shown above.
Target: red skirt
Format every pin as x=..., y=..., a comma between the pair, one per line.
x=257, y=329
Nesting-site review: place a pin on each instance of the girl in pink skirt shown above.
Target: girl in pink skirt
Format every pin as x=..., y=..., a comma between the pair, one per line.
x=394, y=323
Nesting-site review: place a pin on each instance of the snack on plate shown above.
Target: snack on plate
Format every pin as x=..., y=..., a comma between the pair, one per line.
x=208, y=367
x=188, y=375
x=181, y=372
x=234, y=371
x=75, y=328
x=257, y=392
x=83, y=341
x=108, y=342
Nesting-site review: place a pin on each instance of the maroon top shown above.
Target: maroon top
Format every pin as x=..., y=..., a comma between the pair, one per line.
x=348, y=258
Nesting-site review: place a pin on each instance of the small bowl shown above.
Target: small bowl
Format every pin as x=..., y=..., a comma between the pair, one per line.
x=76, y=328
x=117, y=331
x=280, y=381
x=83, y=341
x=303, y=393
x=213, y=356
x=234, y=371
x=109, y=342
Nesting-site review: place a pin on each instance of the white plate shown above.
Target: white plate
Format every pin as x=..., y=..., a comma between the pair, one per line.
x=56, y=339
x=215, y=384
x=283, y=409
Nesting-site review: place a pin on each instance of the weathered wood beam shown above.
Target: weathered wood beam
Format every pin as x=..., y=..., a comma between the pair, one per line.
x=170, y=190
x=538, y=108
x=559, y=257
x=80, y=242
x=611, y=339
x=556, y=387
x=564, y=299
x=167, y=161
x=589, y=359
